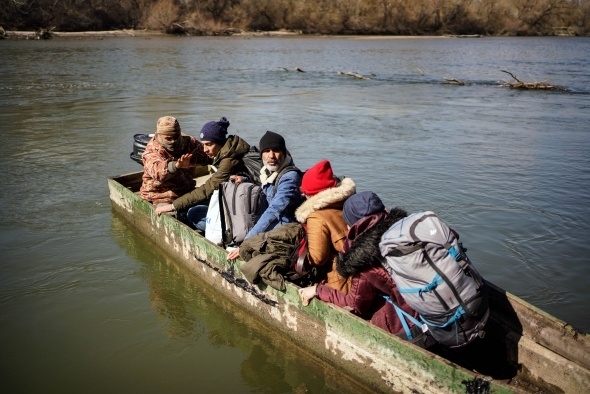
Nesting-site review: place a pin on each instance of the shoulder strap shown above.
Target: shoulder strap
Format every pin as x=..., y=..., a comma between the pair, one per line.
x=222, y=207
x=403, y=315
x=283, y=172
x=463, y=305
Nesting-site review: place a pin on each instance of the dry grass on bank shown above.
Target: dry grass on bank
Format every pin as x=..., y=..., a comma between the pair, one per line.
x=46, y=34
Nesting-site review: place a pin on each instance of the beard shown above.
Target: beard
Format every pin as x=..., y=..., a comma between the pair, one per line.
x=274, y=167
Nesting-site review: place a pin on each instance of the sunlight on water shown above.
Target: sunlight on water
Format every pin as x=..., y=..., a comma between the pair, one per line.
x=83, y=296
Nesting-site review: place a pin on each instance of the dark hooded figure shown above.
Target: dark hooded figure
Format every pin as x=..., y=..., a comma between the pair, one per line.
x=360, y=261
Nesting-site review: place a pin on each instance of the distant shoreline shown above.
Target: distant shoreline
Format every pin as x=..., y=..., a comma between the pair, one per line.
x=34, y=35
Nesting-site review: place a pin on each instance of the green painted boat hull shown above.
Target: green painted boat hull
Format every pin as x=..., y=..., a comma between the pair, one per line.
x=539, y=353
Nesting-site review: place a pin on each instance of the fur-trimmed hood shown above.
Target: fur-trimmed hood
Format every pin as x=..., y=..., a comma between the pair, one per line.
x=325, y=198
x=364, y=251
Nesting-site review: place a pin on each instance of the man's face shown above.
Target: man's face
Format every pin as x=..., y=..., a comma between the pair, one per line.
x=169, y=141
x=168, y=137
x=211, y=149
x=273, y=158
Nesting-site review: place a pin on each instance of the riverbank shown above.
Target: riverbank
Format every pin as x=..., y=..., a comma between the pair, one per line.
x=45, y=34
x=37, y=35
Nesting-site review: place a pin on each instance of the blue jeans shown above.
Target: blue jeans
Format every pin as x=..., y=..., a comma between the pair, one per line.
x=197, y=216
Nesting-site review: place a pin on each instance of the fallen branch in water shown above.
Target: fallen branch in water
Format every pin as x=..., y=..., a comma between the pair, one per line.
x=349, y=73
x=518, y=84
x=295, y=69
x=453, y=81
x=44, y=34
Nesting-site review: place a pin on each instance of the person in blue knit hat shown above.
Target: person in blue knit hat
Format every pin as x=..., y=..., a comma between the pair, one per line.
x=360, y=262
x=225, y=153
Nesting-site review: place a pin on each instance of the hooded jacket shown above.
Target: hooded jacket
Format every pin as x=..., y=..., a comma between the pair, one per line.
x=228, y=162
x=161, y=181
x=369, y=280
x=326, y=228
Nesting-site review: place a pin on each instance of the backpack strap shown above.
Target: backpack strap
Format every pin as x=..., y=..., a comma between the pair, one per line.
x=452, y=320
x=226, y=237
x=403, y=250
x=456, y=316
x=300, y=263
x=299, y=256
x=462, y=303
x=283, y=172
x=249, y=199
x=437, y=280
x=457, y=256
x=221, y=212
x=403, y=315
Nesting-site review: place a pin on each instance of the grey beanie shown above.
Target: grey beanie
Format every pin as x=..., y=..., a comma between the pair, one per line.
x=361, y=205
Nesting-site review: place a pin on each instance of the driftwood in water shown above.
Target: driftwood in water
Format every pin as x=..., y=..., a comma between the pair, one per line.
x=178, y=29
x=453, y=81
x=518, y=84
x=295, y=69
x=356, y=75
x=44, y=34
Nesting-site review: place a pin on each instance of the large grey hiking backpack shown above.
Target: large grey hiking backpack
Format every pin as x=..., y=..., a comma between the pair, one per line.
x=435, y=277
x=241, y=205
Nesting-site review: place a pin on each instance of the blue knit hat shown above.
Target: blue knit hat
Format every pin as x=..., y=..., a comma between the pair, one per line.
x=215, y=131
x=361, y=205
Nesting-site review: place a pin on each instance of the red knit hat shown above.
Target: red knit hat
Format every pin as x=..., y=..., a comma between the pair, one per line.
x=318, y=178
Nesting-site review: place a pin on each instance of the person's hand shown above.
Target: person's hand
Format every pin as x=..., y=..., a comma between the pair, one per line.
x=236, y=179
x=234, y=254
x=164, y=208
x=307, y=294
x=184, y=161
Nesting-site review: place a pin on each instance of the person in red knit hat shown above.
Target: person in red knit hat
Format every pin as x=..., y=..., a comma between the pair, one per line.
x=321, y=213
x=318, y=178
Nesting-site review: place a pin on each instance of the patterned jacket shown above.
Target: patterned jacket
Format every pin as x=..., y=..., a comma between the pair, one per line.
x=228, y=162
x=160, y=184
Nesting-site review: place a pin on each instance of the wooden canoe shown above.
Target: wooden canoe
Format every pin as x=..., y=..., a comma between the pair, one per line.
x=525, y=349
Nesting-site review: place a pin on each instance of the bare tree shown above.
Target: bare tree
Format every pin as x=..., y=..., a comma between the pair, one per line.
x=161, y=15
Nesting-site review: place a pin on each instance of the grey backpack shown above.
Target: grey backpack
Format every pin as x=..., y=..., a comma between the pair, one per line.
x=435, y=277
x=241, y=205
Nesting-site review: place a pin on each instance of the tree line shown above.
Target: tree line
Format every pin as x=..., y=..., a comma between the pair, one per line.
x=336, y=17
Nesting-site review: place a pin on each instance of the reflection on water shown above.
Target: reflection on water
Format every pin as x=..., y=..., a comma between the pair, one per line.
x=507, y=169
x=209, y=325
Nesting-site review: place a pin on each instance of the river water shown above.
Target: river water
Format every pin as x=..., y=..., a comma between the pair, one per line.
x=87, y=304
